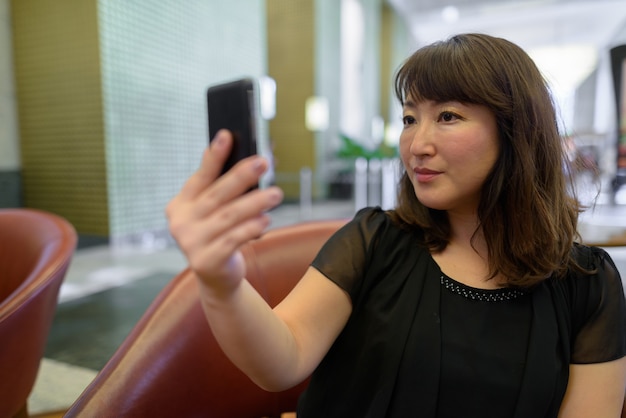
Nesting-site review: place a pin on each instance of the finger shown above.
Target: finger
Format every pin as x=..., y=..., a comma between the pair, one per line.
x=209, y=243
x=237, y=182
x=243, y=177
x=238, y=211
x=213, y=159
x=193, y=229
x=214, y=258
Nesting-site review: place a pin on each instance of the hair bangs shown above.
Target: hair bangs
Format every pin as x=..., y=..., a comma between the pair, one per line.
x=440, y=72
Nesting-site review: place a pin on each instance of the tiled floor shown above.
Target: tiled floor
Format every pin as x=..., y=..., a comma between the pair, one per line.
x=107, y=290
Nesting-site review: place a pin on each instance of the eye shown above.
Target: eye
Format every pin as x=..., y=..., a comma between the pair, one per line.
x=447, y=116
x=408, y=120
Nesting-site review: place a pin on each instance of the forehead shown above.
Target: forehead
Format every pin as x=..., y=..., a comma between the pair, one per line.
x=424, y=89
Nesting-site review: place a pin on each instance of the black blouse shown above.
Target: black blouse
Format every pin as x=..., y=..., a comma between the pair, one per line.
x=484, y=338
x=420, y=344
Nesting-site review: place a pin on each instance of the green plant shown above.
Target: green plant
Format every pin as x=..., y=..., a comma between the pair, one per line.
x=351, y=149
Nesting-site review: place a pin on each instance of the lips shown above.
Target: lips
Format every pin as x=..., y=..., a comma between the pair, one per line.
x=424, y=175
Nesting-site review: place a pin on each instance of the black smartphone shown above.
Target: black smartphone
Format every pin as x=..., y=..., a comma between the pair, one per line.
x=234, y=106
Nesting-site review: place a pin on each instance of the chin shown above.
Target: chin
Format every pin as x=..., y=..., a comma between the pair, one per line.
x=437, y=207
x=433, y=204
x=430, y=201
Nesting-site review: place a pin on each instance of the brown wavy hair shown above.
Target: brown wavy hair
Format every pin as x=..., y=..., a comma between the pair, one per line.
x=528, y=211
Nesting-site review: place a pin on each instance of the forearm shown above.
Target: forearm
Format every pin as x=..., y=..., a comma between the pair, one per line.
x=252, y=336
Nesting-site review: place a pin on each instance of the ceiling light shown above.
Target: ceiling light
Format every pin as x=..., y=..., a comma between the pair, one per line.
x=450, y=14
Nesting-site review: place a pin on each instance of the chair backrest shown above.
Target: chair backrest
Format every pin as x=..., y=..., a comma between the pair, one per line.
x=35, y=250
x=170, y=363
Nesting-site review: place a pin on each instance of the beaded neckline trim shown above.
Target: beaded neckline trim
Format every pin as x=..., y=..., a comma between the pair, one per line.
x=483, y=295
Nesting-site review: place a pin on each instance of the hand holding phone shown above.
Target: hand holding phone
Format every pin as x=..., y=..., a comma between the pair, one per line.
x=209, y=218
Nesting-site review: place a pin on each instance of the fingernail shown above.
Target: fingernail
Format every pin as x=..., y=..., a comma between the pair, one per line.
x=218, y=141
x=276, y=196
x=258, y=165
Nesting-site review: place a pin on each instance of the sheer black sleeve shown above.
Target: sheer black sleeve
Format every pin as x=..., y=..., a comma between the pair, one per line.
x=344, y=257
x=599, y=311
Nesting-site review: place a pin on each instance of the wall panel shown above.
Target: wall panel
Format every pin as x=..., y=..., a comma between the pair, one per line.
x=112, y=111
x=291, y=63
x=59, y=99
x=158, y=59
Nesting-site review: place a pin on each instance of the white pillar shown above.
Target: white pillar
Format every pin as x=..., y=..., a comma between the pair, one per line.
x=360, y=183
x=306, y=194
x=374, y=185
x=389, y=183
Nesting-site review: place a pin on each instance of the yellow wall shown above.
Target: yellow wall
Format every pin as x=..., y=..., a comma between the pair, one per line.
x=57, y=70
x=290, y=27
x=386, y=48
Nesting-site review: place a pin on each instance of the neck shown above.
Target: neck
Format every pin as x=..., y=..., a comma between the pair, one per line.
x=465, y=258
x=464, y=228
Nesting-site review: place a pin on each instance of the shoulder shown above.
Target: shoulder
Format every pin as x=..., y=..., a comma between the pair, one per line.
x=372, y=217
x=597, y=270
x=590, y=257
x=591, y=265
x=591, y=280
x=368, y=223
x=373, y=227
x=360, y=246
x=592, y=285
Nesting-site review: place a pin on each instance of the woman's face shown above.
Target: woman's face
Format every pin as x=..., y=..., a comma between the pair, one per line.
x=448, y=150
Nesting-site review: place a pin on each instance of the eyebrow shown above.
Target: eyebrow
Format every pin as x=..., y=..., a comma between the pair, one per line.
x=409, y=103
x=413, y=105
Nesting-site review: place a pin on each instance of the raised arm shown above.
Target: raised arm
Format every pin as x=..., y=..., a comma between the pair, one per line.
x=211, y=218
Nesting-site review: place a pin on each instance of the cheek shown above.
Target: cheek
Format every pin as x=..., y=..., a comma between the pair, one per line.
x=483, y=151
x=492, y=152
x=405, y=156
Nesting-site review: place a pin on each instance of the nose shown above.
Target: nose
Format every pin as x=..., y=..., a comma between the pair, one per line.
x=422, y=140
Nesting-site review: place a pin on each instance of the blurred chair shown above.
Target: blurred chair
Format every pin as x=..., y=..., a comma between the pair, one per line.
x=170, y=365
x=35, y=250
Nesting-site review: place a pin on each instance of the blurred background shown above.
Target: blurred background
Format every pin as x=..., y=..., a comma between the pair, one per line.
x=102, y=102
x=103, y=118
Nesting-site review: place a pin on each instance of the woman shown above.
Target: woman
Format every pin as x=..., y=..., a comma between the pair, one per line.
x=470, y=299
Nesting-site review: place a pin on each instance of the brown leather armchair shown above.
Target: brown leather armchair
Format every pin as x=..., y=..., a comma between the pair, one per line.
x=170, y=364
x=35, y=250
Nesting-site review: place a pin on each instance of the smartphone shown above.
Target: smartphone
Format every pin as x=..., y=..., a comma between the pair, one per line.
x=234, y=106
